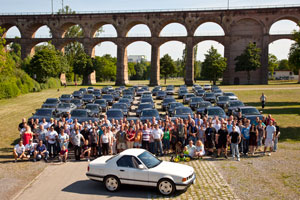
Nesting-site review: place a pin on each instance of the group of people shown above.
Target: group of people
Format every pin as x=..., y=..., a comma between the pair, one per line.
x=196, y=136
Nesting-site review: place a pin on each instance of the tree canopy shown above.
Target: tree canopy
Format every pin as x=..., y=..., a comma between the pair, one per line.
x=294, y=54
x=106, y=67
x=272, y=64
x=167, y=67
x=213, y=66
x=249, y=60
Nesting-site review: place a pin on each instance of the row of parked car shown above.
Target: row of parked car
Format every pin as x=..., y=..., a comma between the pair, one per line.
x=91, y=103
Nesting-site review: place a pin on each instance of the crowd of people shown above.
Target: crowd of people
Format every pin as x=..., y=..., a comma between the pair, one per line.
x=196, y=136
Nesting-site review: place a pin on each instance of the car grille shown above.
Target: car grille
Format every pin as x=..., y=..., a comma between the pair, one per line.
x=189, y=177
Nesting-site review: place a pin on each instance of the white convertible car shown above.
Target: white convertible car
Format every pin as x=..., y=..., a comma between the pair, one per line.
x=140, y=167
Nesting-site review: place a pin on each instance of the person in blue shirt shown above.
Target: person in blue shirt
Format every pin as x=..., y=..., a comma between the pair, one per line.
x=245, y=137
x=41, y=151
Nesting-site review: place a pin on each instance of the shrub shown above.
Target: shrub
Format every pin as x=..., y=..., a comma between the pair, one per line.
x=9, y=89
x=51, y=83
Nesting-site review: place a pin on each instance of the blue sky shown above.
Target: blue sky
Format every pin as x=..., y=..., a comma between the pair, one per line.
x=279, y=48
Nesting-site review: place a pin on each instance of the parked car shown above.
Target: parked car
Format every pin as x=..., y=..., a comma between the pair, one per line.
x=214, y=87
x=46, y=113
x=95, y=109
x=230, y=95
x=116, y=95
x=109, y=98
x=232, y=106
x=148, y=114
x=116, y=114
x=182, y=92
x=161, y=94
x=90, y=89
x=147, y=95
x=83, y=115
x=249, y=112
x=170, y=91
x=207, y=87
x=78, y=103
x=183, y=112
x=126, y=101
x=209, y=96
x=187, y=97
x=78, y=94
x=200, y=93
x=166, y=103
x=83, y=90
x=155, y=90
x=222, y=101
x=139, y=92
x=97, y=94
x=63, y=109
x=201, y=107
x=123, y=106
x=88, y=98
x=102, y=103
x=172, y=106
x=140, y=167
x=194, y=102
x=211, y=112
x=148, y=100
x=143, y=106
x=128, y=96
x=51, y=103
x=218, y=92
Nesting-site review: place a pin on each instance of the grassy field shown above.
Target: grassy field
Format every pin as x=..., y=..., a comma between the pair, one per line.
x=282, y=102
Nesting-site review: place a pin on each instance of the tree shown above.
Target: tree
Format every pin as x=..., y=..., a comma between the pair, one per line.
x=272, y=64
x=249, y=60
x=106, y=67
x=294, y=54
x=45, y=63
x=167, y=67
x=213, y=66
x=283, y=65
x=131, y=70
x=83, y=65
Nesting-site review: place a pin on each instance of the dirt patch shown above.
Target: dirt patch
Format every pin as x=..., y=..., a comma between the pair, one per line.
x=265, y=177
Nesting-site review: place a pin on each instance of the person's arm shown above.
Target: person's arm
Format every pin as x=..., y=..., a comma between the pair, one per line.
x=162, y=135
x=185, y=132
x=101, y=141
x=171, y=135
x=239, y=139
x=82, y=139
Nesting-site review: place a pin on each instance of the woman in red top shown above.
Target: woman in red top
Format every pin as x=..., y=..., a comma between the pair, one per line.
x=130, y=135
x=27, y=135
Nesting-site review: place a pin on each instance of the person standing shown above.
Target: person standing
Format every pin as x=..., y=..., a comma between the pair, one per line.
x=93, y=141
x=235, y=139
x=221, y=140
x=120, y=137
x=105, y=141
x=253, y=138
x=130, y=135
x=157, y=136
x=261, y=134
x=27, y=135
x=270, y=137
x=263, y=99
x=166, y=138
x=245, y=137
x=210, y=134
x=51, y=139
x=76, y=140
x=145, y=137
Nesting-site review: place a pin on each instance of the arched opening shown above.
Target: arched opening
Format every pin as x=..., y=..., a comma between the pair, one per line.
x=177, y=51
x=72, y=31
x=105, y=48
x=12, y=32
x=209, y=29
x=43, y=32
x=283, y=27
x=139, y=30
x=138, y=62
x=38, y=47
x=106, y=30
x=279, y=68
x=173, y=29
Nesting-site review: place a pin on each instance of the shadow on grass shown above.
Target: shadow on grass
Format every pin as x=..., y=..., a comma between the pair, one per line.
x=290, y=134
x=273, y=104
x=279, y=111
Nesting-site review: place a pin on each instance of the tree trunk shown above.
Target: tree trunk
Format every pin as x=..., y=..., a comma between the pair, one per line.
x=248, y=76
x=165, y=80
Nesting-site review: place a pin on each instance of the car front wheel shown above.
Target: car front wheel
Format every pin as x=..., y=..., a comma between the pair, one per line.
x=112, y=183
x=166, y=187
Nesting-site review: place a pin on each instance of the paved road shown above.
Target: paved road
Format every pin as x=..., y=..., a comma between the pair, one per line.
x=68, y=181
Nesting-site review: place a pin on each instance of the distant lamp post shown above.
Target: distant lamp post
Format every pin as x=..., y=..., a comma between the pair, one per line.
x=228, y=5
x=52, y=7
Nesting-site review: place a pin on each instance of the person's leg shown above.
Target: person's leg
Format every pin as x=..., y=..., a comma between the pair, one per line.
x=155, y=147
x=236, y=146
x=15, y=155
x=275, y=144
x=160, y=148
x=233, y=150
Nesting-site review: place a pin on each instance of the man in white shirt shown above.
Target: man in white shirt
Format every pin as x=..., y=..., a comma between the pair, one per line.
x=270, y=137
x=19, y=151
x=157, y=136
x=191, y=148
x=51, y=137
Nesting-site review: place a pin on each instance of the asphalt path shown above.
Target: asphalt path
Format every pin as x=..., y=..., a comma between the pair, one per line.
x=68, y=181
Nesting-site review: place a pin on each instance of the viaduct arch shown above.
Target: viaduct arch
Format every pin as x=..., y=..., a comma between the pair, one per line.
x=240, y=26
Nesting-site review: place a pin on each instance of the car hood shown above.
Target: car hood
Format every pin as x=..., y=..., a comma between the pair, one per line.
x=48, y=105
x=182, y=116
x=63, y=109
x=174, y=169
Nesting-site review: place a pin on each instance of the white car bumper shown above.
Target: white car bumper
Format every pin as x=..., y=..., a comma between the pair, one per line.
x=183, y=186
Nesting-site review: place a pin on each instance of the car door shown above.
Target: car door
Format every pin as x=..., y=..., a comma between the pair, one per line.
x=129, y=172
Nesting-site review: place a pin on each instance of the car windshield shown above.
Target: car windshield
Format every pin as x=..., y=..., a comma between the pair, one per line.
x=42, y=112
x=196, y=99
x=250, y=111
x=229, y=94
x=190, y=95
x=77, y=92
x=223, y=98
x=127, y=97
x=64, y=105
x=149, y=113
x=161, y=93
x=209, y=95
x=100, y=101
x=235, y=104
x=169, y=100
x=51, y=101
x=200, y=91
x=119, y=106
x=79, y=113
x=107, y=96
x=92, y=107
x=124, y=101
x=174, y=105
x=75, y=101
x=114, y=113
x=183, y=111
x=146, y=101
x=215, y=112
x=149, y=160
x=218, y=91
x=88, y=96
x=204, y=104
x=143, y=106
x=65, y=96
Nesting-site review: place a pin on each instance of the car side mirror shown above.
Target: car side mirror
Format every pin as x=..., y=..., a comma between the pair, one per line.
x=141, y=166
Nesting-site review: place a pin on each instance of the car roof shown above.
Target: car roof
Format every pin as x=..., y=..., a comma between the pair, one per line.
x=132, y=152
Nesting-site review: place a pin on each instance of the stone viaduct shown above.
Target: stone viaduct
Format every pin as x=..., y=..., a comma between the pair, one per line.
x=240, y=26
